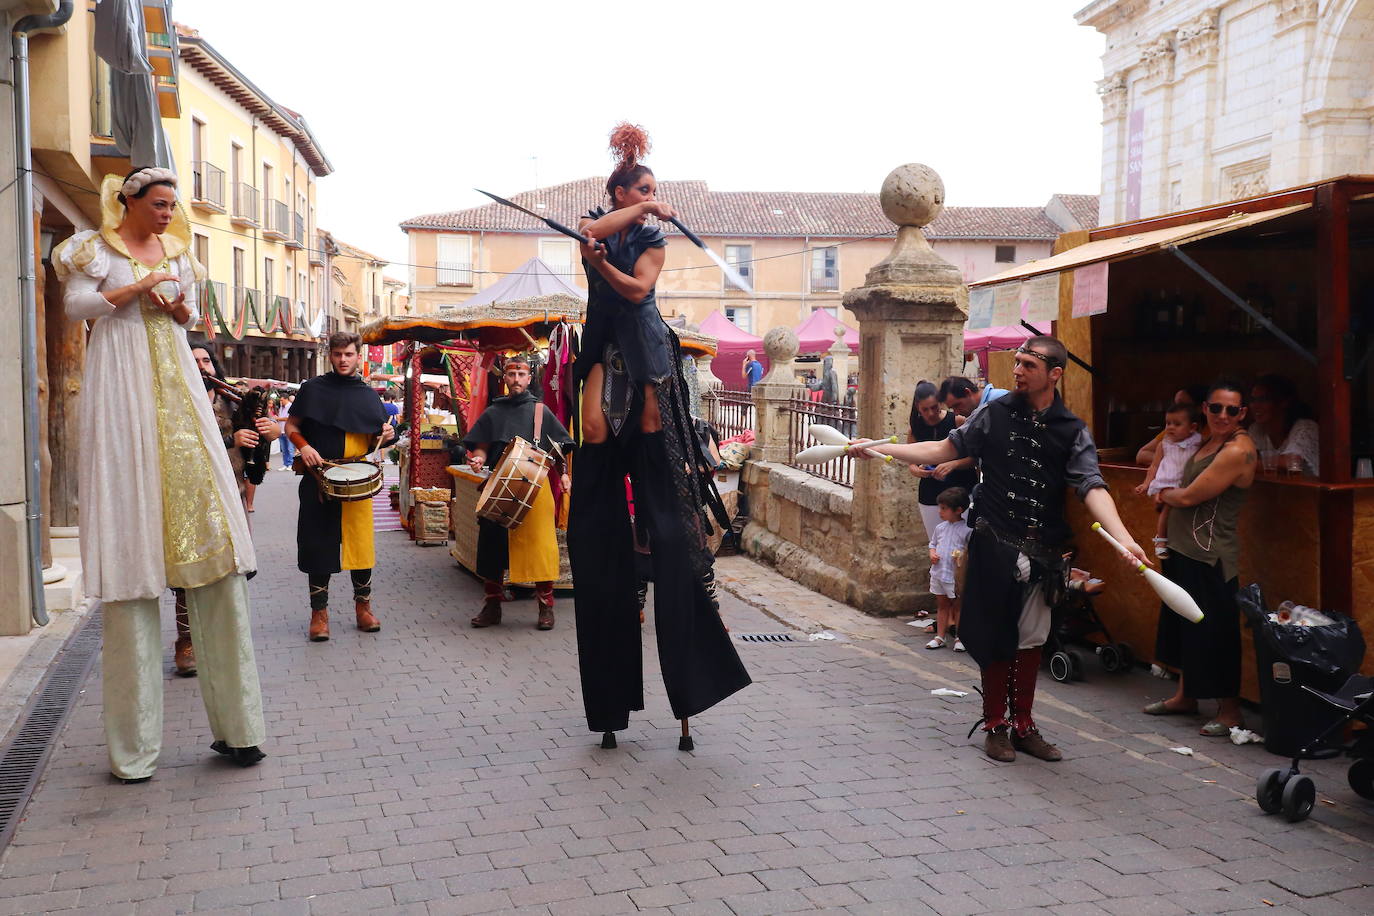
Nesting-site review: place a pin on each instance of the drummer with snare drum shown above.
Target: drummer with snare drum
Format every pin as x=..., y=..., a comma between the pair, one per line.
x=336, y=418
x=529, y=549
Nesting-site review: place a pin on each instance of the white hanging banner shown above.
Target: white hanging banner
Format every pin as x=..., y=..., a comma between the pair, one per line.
x=1006, y=304
x=1090, y=290
x=1040, y=298
x=980, y=308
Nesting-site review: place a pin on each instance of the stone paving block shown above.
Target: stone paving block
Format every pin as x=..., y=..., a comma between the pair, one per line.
x=1319, y=882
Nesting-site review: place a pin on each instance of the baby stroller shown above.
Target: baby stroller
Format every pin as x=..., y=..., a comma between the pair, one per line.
x=1294, y=794
x=1073, y=620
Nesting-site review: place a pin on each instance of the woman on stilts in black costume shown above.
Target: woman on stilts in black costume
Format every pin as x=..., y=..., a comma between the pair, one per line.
x=634, y=420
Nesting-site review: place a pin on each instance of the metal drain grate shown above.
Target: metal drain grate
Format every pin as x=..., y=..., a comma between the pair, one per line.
x=765, y=637
x=23, y=757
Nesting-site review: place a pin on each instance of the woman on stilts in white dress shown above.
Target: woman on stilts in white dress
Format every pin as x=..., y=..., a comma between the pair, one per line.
x=159, y=502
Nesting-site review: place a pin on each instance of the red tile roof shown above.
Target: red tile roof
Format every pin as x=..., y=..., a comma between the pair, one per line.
x=788, y=214
x=1082, y=206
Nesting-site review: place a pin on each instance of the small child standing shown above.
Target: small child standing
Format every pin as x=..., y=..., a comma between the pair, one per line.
x=948, y=548
x=1181, y=440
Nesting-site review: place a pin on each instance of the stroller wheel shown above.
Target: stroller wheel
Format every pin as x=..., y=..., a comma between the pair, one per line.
x=1269, y=790
x=1299, y=795
x=1361, y=776
x=1061, y=667
x=1110, y=658
x=1126, y=654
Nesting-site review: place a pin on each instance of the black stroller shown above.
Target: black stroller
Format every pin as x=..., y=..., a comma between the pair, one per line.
x=1293, y=794
x=1075, y=625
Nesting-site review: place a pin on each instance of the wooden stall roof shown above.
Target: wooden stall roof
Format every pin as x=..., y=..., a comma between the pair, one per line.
x=1129, y=246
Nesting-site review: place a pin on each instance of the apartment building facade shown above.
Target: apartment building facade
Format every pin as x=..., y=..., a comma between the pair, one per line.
x=251, y=167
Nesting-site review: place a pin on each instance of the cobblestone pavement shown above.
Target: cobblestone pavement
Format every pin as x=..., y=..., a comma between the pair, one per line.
x=433, y=768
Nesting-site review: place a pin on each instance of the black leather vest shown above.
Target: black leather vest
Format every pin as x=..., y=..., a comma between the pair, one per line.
x=1024, y=463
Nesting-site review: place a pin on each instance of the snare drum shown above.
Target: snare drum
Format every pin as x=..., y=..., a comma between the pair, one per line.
x=510, y=490
x=351, y=480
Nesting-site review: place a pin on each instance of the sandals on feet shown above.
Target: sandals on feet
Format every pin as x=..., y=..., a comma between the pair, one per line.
x=959, y=645
x=1162, y=708
x=1215, y=729
x=936, y=643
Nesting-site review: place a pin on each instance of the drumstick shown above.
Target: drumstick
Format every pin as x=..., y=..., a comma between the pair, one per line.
x=1171, y=593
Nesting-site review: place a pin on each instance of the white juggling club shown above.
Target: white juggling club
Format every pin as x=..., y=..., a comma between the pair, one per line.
x=1171, y=593
x=820, y=454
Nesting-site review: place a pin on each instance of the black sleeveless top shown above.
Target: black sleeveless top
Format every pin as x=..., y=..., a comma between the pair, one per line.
x=636, y=328
x=928, y=493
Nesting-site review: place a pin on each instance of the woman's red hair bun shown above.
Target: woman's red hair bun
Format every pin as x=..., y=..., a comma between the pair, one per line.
x=629, y=144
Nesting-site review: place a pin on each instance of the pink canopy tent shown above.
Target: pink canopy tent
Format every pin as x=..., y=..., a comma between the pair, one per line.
x=984, y=341
x=731, y=345
x=817, y=333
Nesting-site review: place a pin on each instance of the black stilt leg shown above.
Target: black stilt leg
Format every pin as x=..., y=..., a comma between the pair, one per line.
x=685, y=743
x=608, y=741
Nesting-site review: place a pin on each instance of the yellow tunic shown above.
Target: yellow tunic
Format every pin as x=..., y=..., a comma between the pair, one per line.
x=358, y=533
x=534, y=546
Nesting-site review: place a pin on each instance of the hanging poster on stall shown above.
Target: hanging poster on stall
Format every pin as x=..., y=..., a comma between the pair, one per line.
x=1040, y=298
x=1006, y=304
x=980, y=308
x=1090, y=290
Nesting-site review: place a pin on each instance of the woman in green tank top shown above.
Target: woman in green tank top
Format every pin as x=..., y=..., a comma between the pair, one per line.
x=1204, y=558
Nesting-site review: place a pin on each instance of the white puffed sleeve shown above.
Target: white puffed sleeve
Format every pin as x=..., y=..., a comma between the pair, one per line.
x=82, y=263
x=189, y=279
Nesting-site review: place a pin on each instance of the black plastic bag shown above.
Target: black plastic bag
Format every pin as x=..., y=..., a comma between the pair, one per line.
x=1319, y=656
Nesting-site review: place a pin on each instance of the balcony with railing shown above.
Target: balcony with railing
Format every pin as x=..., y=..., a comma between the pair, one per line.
x=801, y=413
x=454, y=273
x=246, y=211
x=241, y=296
x=825, y=280
x=297, y=239
x=729, y=412
x=213, y=290
x=276, y=220
x=207, y=187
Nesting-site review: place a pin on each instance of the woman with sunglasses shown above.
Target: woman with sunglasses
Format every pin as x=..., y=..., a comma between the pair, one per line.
x=1204, y=557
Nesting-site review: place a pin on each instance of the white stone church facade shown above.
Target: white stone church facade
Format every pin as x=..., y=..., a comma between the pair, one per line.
x=1205, y=101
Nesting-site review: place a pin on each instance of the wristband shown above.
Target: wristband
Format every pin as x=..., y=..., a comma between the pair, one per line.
x=297, y=439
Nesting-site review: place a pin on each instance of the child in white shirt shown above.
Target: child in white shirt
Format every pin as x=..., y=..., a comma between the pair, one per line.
x=1181, y=440
x=948, y=548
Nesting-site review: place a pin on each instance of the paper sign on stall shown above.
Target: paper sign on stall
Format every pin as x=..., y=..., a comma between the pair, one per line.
x=1040, y=298
x=1090, y=290
x=980, y=308
x=1006, y=304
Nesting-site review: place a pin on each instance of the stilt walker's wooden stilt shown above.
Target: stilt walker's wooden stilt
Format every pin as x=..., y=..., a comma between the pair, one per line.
x=685, y=742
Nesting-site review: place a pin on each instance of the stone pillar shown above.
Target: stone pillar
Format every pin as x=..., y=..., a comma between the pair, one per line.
x=912, y=309
x=773, y=424
x=705, y=377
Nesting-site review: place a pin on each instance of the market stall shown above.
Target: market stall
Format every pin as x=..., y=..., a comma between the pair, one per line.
x=1270, y=284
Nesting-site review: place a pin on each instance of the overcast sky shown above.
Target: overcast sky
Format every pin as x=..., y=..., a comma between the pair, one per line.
x=415, y=103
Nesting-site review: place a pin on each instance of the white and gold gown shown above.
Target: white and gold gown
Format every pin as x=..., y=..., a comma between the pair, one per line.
x=159, y=503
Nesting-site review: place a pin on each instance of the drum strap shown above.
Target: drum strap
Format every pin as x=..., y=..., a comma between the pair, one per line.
x=538, y=422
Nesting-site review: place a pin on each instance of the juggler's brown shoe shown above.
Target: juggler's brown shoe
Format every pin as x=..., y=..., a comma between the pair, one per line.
x=185, y=657
x=1033, y=743
x=997, y=744
x=545, y=616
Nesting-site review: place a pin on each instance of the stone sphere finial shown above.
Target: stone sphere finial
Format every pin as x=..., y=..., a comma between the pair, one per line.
x=781, y=344
x=912, y=195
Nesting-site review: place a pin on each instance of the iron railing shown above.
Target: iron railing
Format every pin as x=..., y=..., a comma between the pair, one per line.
x=730, y=412
x=825, y=281
x=246, y=203
x=298, y=229
x=454, y=273
x=207, y=184
x=275, y=218
x=802, y=412
x=220, y=302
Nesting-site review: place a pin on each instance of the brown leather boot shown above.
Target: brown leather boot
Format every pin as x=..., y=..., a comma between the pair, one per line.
x=543, y=595
x=997, y=744
x=319, y=625
x=490, y=615
x=367, y=621
x=185, y=657
x=1033, y=743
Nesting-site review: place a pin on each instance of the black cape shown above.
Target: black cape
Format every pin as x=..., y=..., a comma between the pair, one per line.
x=503, y=420
x=328, y=406
x=511, y=416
